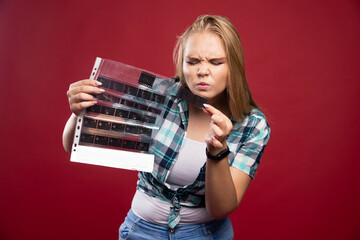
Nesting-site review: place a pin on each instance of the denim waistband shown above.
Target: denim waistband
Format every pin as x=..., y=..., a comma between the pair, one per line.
x=136, y=228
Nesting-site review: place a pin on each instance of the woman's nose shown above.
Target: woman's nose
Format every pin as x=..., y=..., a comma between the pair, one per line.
x=203, y=70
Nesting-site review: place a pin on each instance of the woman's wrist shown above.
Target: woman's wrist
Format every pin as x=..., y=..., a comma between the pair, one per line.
x=218, y=154
x=212, y=150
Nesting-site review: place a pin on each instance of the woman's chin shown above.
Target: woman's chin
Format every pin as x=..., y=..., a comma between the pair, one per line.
x=201, y=94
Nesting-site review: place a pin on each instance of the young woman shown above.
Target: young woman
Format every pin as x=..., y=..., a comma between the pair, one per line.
x=204, y=158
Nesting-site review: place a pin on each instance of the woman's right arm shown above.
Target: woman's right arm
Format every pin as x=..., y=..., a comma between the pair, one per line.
x=80, y=96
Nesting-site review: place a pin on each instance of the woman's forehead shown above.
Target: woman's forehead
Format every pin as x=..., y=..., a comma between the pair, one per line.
x=204, y=44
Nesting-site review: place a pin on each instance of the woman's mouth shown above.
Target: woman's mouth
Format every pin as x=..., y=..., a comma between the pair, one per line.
x=203, y=85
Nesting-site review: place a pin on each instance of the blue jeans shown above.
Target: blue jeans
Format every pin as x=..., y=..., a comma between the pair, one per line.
x=138, y=229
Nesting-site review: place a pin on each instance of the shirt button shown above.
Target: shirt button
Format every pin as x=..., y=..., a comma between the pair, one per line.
x=172, y=231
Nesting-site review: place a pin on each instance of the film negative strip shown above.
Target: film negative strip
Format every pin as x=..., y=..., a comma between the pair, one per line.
x=195, y=100
x=116, y=128
x=122, y=113
x=131, y=90
x=116, y=143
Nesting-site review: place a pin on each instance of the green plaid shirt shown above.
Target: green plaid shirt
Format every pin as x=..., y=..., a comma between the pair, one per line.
x=246, y=142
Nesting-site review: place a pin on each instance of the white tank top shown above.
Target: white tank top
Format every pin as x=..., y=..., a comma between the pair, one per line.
x=184, y=172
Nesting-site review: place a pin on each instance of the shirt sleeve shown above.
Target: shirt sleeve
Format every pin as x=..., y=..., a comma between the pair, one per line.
x=248, y=156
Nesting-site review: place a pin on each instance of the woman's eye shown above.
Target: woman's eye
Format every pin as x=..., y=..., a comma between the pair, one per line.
x=216, y=63
x=191, y=62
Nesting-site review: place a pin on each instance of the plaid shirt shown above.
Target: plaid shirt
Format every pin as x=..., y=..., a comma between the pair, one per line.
x=246, y=142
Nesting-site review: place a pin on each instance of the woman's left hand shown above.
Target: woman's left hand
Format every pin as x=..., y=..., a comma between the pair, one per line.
x=220, y=127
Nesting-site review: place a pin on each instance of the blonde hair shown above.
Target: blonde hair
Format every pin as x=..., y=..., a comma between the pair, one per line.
x=238, y=93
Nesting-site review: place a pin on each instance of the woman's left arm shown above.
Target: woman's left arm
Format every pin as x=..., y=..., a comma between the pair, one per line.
x=225, y=186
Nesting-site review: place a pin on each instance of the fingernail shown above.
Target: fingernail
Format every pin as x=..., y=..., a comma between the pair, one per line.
x=95, y=101
x=205, y=105
x=101, y=90
x=98, y=83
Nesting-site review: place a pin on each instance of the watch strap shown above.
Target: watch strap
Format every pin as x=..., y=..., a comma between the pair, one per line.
x=219, y=156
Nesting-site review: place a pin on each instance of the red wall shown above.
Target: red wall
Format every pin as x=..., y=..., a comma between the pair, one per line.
x=303, y=65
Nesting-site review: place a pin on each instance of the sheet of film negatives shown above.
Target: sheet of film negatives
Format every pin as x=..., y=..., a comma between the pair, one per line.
x=118, y=130
x=125, y=112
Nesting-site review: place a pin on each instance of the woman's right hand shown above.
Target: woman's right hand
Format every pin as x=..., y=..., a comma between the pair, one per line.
x=81, y=93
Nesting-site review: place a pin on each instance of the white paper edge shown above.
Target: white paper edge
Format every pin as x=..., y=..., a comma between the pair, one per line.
x=114, y=158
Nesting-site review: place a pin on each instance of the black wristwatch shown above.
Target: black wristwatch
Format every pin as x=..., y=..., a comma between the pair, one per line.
x=219, y=156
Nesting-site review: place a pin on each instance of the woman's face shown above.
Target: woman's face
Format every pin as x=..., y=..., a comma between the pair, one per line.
x=205, y=66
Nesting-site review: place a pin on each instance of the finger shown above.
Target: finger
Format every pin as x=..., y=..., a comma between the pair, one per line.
x=222, y=120
x=89, y=82
x=84, y=89
x=206, y=111
x=78, y=107
x=213, y=143
x=80, y=97
x=210, y=110
x=208, y=141
x=219, y=120
x=217, y=144
x=217, y=132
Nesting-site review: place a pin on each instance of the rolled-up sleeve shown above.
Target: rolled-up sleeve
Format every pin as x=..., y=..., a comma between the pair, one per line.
x=254, y=139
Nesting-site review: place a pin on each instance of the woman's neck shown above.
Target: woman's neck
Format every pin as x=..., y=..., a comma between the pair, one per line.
x=198, y=124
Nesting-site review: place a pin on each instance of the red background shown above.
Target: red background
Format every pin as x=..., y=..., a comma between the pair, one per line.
x=303, y=65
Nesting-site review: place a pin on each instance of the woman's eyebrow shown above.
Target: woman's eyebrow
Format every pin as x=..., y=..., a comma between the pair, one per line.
x=217, y=59
x=209, y=59
x=189, y=58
